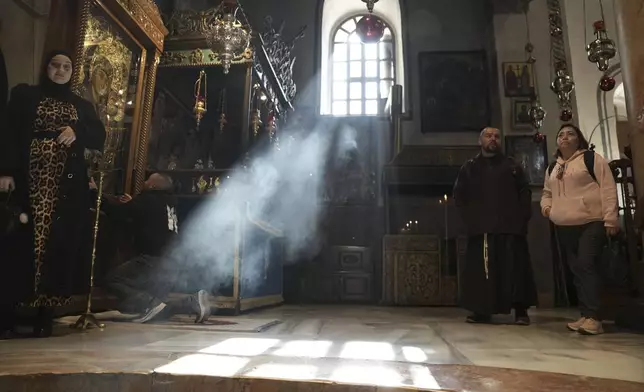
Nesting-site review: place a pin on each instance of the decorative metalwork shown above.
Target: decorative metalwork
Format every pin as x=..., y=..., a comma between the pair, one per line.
x=146, y=117
x=562, y=83
x=200, y=58
x=108, y=61
x=228, y=34
x=146, y=14
x=190, y=23
x=78, y=76
x=280, y=54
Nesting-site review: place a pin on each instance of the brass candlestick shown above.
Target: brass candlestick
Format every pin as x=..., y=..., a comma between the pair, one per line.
x=88, y=319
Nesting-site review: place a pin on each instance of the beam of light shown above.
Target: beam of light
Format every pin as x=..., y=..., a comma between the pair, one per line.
x=206, y=365
x=304, y=349
x=281, y=187
x=245, y=347
x=368, y=350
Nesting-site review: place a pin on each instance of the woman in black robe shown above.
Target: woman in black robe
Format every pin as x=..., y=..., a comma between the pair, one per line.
x=44, y=135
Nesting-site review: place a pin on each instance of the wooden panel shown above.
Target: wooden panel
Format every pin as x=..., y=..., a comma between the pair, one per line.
x=354, y=287
x=417, y=278
x=414, y=273
x=351, y=259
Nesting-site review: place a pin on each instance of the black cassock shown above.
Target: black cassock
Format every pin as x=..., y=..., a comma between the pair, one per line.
x=494, y=201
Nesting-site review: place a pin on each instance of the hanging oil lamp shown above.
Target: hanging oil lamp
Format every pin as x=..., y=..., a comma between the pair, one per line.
x=537, y=114
x=370, y=28
x=270, y=120
x=201, y=97
x=256, y=120
x=562, y=85
x=229, y=34
x=602, y=49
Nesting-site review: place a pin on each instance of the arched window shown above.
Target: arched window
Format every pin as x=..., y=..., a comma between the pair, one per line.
x=339, y=18
x=361, y=74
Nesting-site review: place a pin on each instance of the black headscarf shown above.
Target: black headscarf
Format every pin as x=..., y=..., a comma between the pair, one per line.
x=49, y=87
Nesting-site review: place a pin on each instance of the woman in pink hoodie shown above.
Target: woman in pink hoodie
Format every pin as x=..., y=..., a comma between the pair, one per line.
x=580, y=198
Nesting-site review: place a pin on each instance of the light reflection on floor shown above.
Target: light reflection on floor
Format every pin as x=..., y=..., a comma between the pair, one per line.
x=231, y=357
x=357, y=345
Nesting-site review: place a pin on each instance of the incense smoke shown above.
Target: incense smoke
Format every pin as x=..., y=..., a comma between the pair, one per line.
x=280, y=189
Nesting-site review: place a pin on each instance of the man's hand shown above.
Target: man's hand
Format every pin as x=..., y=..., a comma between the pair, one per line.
x=612, y=231
x=67, y=136
x=92, y=184
x=7, y=184
x=124, y=198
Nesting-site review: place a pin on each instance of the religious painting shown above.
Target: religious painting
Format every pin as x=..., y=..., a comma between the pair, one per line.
x=110, y=71
x=521, y=113
x=531, y=155
x=518, y=79
x=454, y=91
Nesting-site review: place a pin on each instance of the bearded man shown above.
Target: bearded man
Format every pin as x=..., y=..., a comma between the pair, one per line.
x=494, y=201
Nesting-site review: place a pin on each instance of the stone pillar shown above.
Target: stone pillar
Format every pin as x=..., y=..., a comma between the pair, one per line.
x=630, y=22
x=630, y=17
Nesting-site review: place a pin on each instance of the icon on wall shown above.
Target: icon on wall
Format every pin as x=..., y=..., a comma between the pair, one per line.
x=521, y=118
x=518, y=79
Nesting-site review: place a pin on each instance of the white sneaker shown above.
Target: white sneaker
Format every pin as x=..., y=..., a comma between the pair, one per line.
x=201, y=306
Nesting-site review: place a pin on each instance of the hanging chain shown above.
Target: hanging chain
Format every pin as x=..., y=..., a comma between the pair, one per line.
x=531, y=59
x=556, y=35
x=585, y=23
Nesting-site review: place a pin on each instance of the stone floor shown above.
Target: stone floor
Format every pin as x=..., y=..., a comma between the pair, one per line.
x=429, y=348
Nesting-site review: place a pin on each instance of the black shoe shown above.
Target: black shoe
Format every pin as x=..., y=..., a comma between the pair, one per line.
x=200, y=306
x=522, y=320
x=478, y=319
x=44, y=325
x=7, y=334
x=521, y=317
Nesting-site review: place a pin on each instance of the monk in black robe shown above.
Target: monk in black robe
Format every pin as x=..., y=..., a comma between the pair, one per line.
x=494, y=200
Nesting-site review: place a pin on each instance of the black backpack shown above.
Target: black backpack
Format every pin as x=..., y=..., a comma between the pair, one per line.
x=589, y=161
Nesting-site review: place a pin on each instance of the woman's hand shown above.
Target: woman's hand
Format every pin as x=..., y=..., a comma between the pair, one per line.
x=7, y=184
x=125, y=198
x=612, y=231
x=67, y=136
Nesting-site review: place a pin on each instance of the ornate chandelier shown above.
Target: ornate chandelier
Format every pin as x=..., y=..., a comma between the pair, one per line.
x=228, y=36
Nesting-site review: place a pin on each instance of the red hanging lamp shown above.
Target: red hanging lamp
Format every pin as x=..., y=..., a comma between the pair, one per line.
x=370, y=28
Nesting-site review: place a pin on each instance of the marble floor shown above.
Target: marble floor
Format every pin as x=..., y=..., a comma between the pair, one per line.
x=430, y=348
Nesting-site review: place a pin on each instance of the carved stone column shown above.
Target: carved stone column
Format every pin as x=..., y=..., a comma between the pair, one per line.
x=146, y=118
x=630, y=22
x=630, y=17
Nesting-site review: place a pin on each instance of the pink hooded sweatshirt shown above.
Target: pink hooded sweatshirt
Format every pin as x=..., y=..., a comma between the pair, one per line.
x=576, y=198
